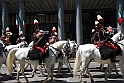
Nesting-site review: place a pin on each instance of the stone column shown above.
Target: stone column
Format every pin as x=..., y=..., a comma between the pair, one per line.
x=5, y=16
x=79, y=29
x=61, y=30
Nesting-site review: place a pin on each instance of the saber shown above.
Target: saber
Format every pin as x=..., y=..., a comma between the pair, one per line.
x=39, y=39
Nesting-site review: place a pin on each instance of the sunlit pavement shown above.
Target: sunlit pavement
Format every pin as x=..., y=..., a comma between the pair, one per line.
x=65, y=77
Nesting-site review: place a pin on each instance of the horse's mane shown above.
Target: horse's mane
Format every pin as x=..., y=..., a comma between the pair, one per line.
x=58, y=44
x=2, y=43
x=115, y=36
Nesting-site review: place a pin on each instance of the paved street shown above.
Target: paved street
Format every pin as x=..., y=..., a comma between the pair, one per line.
x=66, y=76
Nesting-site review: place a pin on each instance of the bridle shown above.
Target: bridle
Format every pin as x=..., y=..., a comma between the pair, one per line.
x=121, y=36
x=66, y=49
x=1, y=48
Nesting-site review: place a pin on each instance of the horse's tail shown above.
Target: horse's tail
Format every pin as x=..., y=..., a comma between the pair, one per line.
x=10, y=60
x=77, y=62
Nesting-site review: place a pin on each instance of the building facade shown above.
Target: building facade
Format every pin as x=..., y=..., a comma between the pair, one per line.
x=73, y=19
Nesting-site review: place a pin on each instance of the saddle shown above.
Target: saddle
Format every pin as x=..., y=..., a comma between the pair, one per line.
x=108, y=50
x=35, y=54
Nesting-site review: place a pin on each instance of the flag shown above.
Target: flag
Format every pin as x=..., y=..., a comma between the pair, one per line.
x=120, y=20
x=19, y=22
x=23, y=23
x=16, y=22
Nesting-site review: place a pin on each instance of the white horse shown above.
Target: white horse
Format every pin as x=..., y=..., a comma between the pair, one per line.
x=2, y=55
x=116, y=38
x=22, y=53
x=65, y=58
x=87, y=52
x=19, y=45
x=62, y=59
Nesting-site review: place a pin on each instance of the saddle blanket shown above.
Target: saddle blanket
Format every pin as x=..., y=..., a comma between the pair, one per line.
x=107, y=52
x=34, y=54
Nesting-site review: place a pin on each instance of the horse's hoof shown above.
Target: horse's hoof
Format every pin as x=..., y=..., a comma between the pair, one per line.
x=119, y=76
x=43, y=75
x=82, y=82
x=92, y=81
x=106, y=81
x=85, y=75
x=54, y=81
x=32, y=75
x=17, y=79
x=60, y=76
x=42, y=81
x=10, y=77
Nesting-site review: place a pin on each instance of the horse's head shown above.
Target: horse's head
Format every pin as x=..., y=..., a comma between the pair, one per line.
x=118, y=36
x=66, y=49
x=1, y=47
x=74, y=47
x=121, y=35
x=22, y=44
x=31, y=44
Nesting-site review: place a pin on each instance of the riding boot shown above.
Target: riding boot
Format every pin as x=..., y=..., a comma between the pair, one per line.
x=43, y=57
x=40, y=59
x=113, y=59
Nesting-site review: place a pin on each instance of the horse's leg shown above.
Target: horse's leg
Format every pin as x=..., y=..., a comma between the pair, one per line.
x=86, y=70
x=48, y=68
x=65, y=61
x=85, y=64
x=42, y=66
x=109, y=72
x=18, y=71
x=0, y=68
x=69, y=64
x=27, y=66
x=101, y=67
x=30, y=66
x=14, y=65
x=114, y=65
x=59, y=67
x=91, y=78
x=107, y=69
x=34, y=70
x=52, y=70
x=22, y=65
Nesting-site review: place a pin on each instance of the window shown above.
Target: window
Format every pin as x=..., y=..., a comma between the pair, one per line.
x=35, y=16
x=31, y=20
x=66, y=17
x=47, y=18
x=27, y=20
x=51, y=18
x=12, y=20
x=55, y=18
x=86, y=17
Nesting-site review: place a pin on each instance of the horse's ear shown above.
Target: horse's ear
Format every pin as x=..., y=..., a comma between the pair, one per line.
x=68, y=40
x=74, y=41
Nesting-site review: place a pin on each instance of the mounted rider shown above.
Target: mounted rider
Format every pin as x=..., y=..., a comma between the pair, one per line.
x=54, y=36
x=6, y=37
x=107, y=47
x=38, y=44
x=21, y=38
